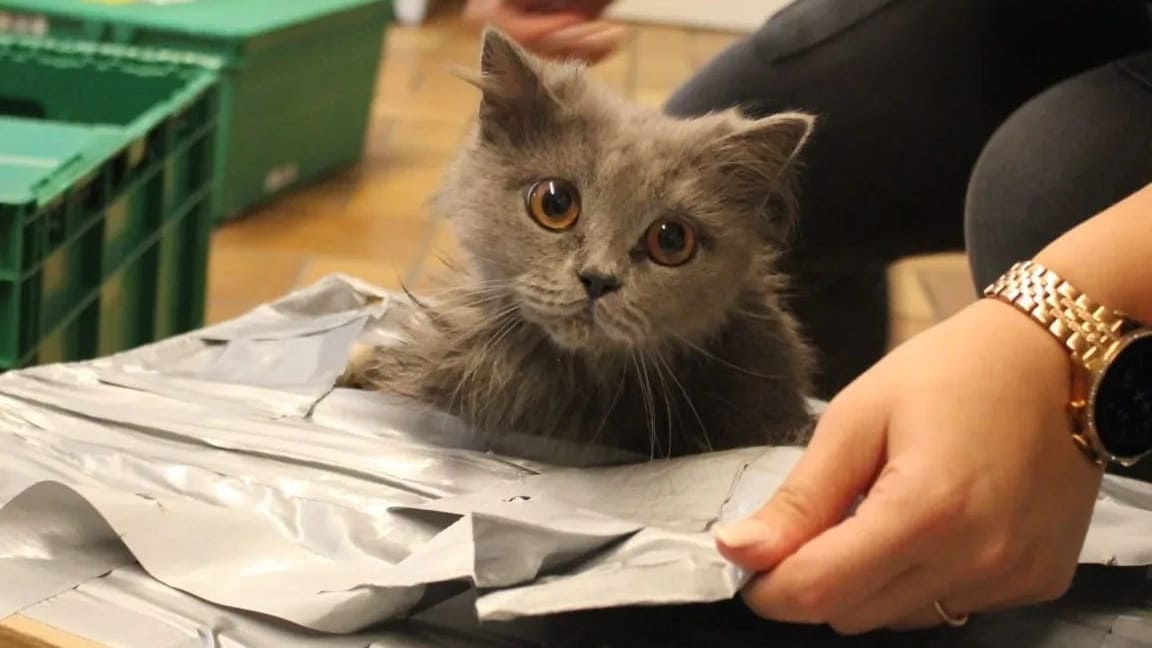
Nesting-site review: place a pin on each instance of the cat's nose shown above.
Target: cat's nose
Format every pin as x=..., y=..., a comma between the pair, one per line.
x=597, y=285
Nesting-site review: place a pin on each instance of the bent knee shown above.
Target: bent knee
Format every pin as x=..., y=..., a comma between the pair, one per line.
x=1067, y=154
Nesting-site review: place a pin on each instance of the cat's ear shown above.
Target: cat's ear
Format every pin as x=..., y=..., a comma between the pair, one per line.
x=772, y=142
x=515, y=100
x=756, y=164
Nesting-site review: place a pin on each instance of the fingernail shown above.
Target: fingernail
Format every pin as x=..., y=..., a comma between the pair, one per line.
x=745, y=533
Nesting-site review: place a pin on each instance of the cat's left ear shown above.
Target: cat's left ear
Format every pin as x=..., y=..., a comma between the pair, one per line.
x=515, y=101
x=770, y=143
x=756, y=162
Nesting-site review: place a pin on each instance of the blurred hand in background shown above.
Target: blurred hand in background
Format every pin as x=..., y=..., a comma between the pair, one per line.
x=559, y=29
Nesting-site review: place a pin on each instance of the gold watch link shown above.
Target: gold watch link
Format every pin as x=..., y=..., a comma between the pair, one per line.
x=1091, y=332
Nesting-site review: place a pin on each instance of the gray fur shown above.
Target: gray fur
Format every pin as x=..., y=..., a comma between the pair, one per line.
x=680, y=359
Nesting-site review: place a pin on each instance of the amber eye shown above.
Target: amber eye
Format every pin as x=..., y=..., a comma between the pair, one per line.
x=555, y=204
x=670, y=242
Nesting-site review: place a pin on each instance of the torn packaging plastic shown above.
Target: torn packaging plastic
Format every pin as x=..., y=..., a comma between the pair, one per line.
x=225, y=463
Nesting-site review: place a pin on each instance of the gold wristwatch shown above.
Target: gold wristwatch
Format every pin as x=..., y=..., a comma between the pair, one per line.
x=1111, y=401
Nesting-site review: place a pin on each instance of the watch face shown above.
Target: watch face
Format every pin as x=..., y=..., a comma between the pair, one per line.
x=1122, y=407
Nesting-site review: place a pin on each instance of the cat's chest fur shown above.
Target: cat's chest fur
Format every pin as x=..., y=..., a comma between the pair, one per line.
x=743, y=386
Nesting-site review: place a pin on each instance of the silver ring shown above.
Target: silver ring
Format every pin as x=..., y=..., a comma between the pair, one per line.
x=953, y=621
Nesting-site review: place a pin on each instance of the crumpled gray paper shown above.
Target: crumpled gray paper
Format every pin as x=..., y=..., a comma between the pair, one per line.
x=226, y=464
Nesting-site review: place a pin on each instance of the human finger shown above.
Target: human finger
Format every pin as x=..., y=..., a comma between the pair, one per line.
x=839, y=464
x=854, y=561
x=590, y=41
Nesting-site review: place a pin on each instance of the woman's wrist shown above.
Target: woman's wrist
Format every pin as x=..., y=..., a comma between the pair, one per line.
x=1031, y=354
x=1106, y=257
x=1023, y=340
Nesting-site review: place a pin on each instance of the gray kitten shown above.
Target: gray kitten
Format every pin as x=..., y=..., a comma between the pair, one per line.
x=618, y=285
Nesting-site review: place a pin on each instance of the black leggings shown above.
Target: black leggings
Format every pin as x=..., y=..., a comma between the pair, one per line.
x=909, y=96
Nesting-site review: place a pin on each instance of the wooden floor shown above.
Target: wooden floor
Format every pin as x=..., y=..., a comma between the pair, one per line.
x=369, y=220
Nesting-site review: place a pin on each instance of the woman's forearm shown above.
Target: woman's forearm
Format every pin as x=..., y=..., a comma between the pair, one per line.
x=1109, y=257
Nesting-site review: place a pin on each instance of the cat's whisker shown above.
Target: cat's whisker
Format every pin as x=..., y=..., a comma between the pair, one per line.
x=473, y=302
x=463, y=283
x=649, y=404
x=466, y=279
x=481, y=399
x=487, y=328
x=614, y=318
x=478, y=287
x=438, y=315
x=448, y=308
x=756, y=316
x=688, y=400
x=636, y=371
x=466, y=339
x=632, y=321
x=549, y=291
x=622, y=382
x=667, y=402
x=494, y=341
x=558, y=310
x=465, y=336
x=472, y=286
x=500, y=264
x=464, y=299
x=708, y=354
x=438, y=312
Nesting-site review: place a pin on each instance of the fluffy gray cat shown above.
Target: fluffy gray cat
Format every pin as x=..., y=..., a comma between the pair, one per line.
x=618, y=285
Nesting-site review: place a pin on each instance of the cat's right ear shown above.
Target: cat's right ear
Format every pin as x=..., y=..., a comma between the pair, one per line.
x=755, y=164
x=515, y=101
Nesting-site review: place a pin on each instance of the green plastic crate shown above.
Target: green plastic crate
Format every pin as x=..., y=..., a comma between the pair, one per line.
x=298, y=82
x=106, y=187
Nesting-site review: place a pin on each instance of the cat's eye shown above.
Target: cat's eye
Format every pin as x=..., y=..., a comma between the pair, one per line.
x=671, y=242
x=554, y=204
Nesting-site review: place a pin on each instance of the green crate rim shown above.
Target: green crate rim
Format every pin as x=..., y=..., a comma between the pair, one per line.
x=198, y=70
x=192, y=20
x=114, y=52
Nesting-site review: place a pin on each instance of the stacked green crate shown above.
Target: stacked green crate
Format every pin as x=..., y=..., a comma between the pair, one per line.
x=106, y=192
x=297, y=84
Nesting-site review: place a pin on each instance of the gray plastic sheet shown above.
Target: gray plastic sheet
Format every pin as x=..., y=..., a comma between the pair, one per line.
x=219, y=477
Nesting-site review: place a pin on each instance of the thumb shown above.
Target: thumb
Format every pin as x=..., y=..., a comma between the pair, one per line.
x=839, y=465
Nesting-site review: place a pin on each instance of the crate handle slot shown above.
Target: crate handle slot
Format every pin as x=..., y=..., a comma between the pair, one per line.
x=17, y=107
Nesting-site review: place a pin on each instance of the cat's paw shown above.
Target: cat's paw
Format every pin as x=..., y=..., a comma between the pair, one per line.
x=361, y=358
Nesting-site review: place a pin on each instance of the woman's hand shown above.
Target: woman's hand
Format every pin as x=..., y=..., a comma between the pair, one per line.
x=974, y=493
x=552, y=28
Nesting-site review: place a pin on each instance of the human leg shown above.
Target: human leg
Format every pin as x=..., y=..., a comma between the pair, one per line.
x=1064, y=156
x=906, y=92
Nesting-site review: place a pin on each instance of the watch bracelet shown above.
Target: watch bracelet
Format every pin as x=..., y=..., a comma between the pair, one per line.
x=1087, y=330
